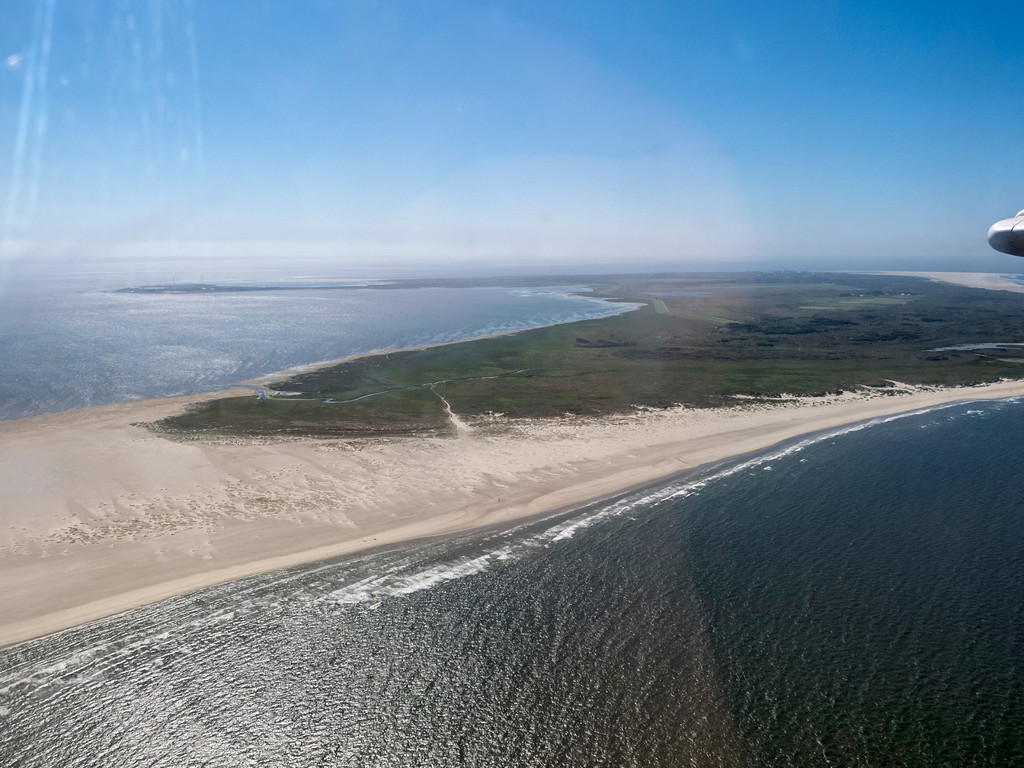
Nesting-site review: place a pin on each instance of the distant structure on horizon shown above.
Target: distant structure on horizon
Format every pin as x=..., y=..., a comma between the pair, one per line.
x=1008, y=235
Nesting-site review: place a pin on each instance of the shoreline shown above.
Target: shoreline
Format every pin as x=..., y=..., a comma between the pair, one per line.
x=100, y=515
x=241, y=387
x=287, y=373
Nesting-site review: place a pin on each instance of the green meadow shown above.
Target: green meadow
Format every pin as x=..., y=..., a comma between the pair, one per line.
x=697, y=340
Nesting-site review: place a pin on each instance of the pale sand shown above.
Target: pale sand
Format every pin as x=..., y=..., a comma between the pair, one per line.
x=988, y=280
x=98, y=516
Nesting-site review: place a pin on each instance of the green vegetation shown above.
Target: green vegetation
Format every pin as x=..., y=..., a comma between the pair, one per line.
x=758, y=335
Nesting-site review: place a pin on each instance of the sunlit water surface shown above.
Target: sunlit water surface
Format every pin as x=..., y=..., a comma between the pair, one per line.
x=70, y=341
x=855, y=599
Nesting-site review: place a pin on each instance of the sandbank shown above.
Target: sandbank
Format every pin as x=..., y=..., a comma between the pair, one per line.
x=99, y=515
x=988, y=280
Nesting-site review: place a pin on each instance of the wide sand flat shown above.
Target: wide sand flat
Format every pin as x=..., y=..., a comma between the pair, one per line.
x=98, y=515
x=988, y=280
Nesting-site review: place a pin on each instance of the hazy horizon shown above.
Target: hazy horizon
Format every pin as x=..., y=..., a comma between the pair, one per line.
x=509, y=136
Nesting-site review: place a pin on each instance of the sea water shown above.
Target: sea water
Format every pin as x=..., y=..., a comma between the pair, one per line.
x=850, y=599
x=71, y=340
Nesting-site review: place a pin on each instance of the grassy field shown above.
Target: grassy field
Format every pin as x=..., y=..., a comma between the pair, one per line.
x=697, y=340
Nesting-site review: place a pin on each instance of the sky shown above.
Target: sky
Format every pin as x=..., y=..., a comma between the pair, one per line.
x=821, y=135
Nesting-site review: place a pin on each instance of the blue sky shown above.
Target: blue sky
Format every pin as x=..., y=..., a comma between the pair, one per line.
x=829, y=134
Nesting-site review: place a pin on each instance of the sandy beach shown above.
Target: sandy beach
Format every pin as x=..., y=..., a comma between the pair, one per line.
x=98, y=514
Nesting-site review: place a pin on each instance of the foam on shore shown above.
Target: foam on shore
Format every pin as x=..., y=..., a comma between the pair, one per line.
x=99, y=515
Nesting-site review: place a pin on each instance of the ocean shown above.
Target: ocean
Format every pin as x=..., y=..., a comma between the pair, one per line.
x=70, y=340
x=854, y=598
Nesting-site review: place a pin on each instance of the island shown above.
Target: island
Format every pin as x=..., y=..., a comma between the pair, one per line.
x=699, y=341
x=112, y=507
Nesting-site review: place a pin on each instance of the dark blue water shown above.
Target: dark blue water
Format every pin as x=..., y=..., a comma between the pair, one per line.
x=68, y=341
x=852, y=600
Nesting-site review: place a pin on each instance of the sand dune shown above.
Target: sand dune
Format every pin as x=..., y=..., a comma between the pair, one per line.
x=98, y=514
